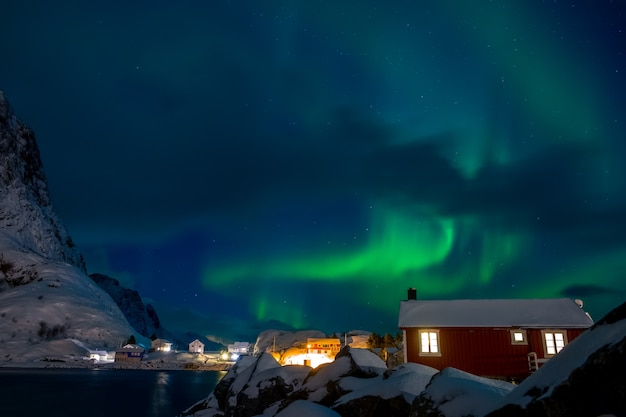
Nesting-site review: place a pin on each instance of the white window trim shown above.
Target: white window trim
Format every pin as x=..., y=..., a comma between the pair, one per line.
x=545, y=345
x=419, y=339
x=524, y=340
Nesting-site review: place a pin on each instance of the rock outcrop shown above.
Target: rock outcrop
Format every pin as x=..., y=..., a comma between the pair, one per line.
x=357, y=383
x=46, y=297
x=27, y=219
x=141, y=317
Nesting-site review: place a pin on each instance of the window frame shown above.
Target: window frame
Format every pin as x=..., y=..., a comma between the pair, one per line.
x=544, y=340
x=524, y=334
x=430, y=332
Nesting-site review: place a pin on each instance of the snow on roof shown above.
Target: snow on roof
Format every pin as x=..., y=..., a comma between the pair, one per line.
x=549, y=312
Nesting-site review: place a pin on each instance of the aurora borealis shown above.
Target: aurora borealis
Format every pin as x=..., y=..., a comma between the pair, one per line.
x=299, y=164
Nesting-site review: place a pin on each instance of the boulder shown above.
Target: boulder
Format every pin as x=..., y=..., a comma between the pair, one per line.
x=390, y=394
x=453, y=393
x=266, y=388
x=322, y=384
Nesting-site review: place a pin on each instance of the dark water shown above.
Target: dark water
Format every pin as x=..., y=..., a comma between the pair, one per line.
x=95, y=393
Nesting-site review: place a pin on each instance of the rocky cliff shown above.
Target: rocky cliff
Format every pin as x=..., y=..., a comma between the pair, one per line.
x=143, y=318
x=48, y=305
x=26, y=214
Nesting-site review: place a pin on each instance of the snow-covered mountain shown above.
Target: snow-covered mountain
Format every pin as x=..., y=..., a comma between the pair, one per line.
x=46, y=297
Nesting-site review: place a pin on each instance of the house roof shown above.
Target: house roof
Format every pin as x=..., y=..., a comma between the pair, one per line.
x=531, y=313
x=131, y=348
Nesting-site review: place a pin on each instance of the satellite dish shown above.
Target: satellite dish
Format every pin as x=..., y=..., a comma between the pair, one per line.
x=579, y=302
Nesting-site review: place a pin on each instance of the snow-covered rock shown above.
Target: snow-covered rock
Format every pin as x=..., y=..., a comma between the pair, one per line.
x=585, y=379
x=390, y=394
x=322, y=384
x=242, y=382
x=45, y=295
x=357, y=383
x=455, y=393
x=408, y=380
x=269, y=387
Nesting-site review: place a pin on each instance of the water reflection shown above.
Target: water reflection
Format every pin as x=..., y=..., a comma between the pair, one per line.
x=102, y=393
x=160, y=392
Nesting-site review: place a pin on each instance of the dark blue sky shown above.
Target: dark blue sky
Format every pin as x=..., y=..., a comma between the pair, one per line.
x=300, y=164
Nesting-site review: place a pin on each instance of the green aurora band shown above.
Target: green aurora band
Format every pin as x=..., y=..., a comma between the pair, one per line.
x=402, y=251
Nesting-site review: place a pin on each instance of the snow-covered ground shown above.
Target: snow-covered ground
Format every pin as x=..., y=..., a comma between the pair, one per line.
x=59, y=303
x=359, y=383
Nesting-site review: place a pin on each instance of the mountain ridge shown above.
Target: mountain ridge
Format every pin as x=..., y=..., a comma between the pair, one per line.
x=46, y=298
x=26, y=213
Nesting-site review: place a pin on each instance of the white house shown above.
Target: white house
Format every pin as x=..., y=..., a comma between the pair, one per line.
x=99, y=355
x=240, y=348
x=161, y=345
x=196, y=346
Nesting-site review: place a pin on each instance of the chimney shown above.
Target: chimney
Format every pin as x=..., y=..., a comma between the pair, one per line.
x=412, y=294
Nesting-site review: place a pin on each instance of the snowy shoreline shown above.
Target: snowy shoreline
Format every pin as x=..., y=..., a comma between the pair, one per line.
x=88, y=364
x=153, y=361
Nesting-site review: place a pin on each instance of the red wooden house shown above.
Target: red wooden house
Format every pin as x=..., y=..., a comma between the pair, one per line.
x=506, y=339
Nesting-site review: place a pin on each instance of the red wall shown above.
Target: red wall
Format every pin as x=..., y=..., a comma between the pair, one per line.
x=481, y=351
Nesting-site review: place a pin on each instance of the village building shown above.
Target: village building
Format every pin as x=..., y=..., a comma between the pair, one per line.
x=329, y=347
x=99, y=355
x=317, y=351
x=161, y=345
x=239, y=348
x=129, y=353
x=196, y=346
x=506, y=339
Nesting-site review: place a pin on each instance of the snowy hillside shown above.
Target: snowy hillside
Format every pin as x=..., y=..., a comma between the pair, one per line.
x=45, y=296
x=59, y=303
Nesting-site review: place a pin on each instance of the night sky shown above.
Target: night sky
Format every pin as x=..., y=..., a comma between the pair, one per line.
x=248, y=165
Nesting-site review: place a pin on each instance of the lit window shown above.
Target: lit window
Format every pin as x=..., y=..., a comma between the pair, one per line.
x=518, y=337
x=429, y=343
x=554, y=341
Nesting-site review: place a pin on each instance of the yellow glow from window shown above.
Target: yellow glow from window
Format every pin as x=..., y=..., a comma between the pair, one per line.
x=312, y=359
x=425, y=342
x=550, y=349
x=559, y=341
x=430, y=342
